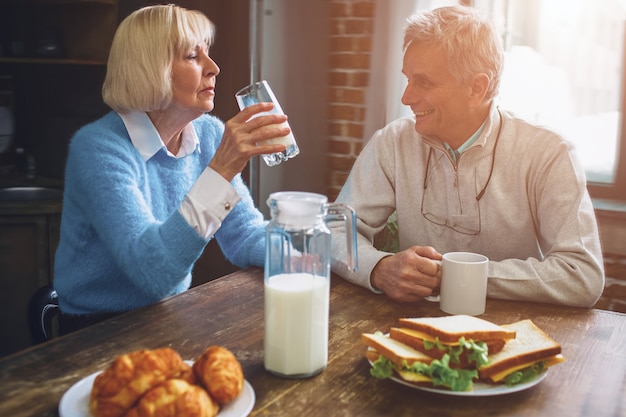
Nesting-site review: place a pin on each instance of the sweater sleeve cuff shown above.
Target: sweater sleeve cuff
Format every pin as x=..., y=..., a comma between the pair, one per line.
x=367, y=262
x=257, y=254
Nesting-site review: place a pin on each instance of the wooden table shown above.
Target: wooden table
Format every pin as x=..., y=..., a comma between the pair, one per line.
x=229, y=312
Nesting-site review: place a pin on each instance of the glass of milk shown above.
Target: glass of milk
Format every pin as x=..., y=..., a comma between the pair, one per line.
x=261, y=92
x=297, y=281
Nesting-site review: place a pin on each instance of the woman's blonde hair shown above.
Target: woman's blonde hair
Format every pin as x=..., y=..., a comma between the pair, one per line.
x=139, y=68
x=470, y=41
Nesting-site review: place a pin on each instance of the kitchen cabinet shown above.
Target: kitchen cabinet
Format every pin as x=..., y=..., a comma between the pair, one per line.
x=58, y=31
x=54, y=52
x=29, y=233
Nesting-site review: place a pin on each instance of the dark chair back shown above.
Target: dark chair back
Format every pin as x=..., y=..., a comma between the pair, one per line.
x=42, y=312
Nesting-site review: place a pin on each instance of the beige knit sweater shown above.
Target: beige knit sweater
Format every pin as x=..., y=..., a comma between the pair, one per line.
x=536, y=222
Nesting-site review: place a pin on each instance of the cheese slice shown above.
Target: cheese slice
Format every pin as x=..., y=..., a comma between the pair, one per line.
x=413, y=376
x=425, y=336
x=556, y=359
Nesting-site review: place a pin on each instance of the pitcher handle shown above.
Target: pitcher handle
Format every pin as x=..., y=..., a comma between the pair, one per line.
x=338, y=211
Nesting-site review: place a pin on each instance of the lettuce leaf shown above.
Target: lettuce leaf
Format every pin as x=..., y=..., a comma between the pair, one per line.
x=442, y=375
x=382, y=368
x=477, y=352
x=438, y=370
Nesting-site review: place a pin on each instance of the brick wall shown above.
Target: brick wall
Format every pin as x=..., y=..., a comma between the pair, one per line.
x=352, y=26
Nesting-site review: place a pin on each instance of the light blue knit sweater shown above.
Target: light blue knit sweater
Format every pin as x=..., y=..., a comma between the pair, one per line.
x=124, y=243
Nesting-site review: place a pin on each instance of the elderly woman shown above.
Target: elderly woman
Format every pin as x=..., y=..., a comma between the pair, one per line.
x=150, y=183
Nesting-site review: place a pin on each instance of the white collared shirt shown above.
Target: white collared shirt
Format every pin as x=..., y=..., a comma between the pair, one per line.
x=147, y=140
x=204, y=211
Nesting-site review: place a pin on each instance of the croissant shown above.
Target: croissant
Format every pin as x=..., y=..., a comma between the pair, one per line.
x=220, y=373
x=130, y=376
x=175, y=398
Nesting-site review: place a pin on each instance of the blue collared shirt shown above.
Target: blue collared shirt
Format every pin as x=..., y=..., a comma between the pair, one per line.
x=454, y=153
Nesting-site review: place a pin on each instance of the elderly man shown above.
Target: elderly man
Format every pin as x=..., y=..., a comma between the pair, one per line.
x=463, y=175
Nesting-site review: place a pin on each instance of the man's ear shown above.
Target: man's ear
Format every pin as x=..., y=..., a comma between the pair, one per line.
x=480, y=85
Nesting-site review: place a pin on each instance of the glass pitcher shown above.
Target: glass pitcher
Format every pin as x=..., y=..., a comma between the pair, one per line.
x=297, y=280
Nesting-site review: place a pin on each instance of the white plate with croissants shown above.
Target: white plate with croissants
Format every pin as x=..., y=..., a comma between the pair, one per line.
x=147, y=383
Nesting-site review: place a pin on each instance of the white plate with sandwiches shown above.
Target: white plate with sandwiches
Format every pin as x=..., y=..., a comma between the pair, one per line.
x=75, y=401
x=420, y=347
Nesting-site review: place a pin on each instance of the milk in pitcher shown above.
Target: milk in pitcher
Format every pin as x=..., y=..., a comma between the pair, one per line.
x=296, y=324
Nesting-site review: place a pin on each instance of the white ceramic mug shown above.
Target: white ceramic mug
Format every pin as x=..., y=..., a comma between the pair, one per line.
x=463, y=283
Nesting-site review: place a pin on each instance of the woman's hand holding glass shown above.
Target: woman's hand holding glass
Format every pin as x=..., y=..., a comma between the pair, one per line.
x=244, y=138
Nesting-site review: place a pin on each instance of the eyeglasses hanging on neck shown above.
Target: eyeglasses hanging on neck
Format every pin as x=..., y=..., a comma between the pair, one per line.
x=467, y=224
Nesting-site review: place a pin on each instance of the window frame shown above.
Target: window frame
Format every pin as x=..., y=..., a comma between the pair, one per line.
x=617, y=189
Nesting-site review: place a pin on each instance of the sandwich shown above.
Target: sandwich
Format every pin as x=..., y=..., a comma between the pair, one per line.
x=466, y=339
x=389, y=356
x=522, y=359
x=429, y=356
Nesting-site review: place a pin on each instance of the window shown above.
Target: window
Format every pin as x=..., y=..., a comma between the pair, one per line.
x=564, y=68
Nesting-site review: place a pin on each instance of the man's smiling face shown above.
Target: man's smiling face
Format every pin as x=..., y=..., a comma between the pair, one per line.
x=438, y=100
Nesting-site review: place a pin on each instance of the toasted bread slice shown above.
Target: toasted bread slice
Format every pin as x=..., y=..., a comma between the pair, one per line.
x=397, y=352
x=415, y=339
x=530, y=346
x=449, y=329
